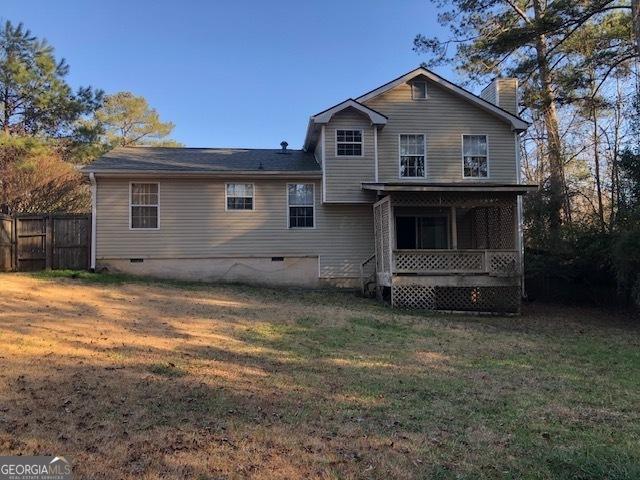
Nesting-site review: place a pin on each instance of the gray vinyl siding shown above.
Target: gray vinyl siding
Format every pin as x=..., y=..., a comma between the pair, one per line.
x=344, y=175
x=443, y=118
x=194, y=224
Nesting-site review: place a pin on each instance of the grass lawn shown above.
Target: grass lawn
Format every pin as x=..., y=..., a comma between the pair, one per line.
x=139, y=380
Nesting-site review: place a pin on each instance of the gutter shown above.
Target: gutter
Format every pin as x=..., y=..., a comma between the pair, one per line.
x=223, y=174
x=94, y=202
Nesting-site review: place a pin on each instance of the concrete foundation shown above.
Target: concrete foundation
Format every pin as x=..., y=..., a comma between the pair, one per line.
x=276, y=271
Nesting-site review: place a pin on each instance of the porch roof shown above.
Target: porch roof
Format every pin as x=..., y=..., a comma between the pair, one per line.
x=519, y=189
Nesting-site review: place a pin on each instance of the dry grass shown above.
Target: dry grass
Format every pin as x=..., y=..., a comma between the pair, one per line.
x=143, y=380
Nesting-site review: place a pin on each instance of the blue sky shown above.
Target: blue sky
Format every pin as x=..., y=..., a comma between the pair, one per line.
x=233, y=73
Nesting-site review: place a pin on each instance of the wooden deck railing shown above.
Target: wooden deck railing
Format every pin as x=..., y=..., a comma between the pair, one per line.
x=429, y=262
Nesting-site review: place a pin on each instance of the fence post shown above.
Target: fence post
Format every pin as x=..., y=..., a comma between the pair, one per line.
x=15, y=243
x=48, y=241
x=89, y=221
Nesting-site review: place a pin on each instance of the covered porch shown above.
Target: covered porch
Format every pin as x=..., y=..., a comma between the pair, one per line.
x=454, y=248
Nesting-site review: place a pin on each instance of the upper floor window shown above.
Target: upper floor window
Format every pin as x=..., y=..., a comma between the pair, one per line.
x=144, y=205
x=300, y=204
x=419, y=90
x=239, y=196
x=348, y=143
x=475, y=156
x=412, y=156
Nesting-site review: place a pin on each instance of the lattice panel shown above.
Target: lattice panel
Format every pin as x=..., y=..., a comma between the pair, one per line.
x=377, y=223
x=492, y=227
x=503, y=263
x=458, y=199
x=471, y=299
x=384, y=231
x=413, y=297
x=439, y=262
x=382, y=225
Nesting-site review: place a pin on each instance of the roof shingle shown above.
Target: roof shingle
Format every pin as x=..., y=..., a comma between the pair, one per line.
x=203, y=160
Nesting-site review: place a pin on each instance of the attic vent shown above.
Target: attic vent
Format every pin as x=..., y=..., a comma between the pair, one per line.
x=284, y=146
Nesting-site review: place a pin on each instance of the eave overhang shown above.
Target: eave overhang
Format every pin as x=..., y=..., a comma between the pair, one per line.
x=203, y=174
x=519, y=189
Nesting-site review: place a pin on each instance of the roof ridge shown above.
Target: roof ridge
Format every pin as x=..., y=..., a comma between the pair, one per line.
x=203, y=148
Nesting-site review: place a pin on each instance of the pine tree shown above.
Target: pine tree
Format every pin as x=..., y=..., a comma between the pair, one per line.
x=524, y=38
x=34, y=96
x=128, y=120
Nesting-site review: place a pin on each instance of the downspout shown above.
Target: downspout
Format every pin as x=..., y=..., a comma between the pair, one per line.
x=375, y=152
x=324, y=165
x=519, y=210
x=94, y=201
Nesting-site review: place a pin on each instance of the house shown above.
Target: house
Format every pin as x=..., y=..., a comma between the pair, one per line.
x=412, y=188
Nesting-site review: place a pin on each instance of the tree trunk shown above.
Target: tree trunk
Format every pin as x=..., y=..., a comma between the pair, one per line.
x=596, y=162
x=554, y=145
x=615, y=171
x=635, y=13
x=7, y=111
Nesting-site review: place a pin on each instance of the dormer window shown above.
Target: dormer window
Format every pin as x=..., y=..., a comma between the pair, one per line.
x=419, y=90
x=348, y=143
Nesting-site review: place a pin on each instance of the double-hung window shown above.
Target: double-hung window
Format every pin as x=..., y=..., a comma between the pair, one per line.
x=144, y=206
x=239, y=196
x=300, y=204
x=349, y=143
x=412, y=156
x=475, y=156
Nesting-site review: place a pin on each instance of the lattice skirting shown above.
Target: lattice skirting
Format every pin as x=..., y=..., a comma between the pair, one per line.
x=471, y=299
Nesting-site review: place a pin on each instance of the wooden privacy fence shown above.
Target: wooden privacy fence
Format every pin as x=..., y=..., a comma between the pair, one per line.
x=6, y=242
x=38, y=242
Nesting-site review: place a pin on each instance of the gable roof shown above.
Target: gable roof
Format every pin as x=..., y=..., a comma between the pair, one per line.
x=321, y=118
x=516, y=122
x=325, y=116
x=204, y=161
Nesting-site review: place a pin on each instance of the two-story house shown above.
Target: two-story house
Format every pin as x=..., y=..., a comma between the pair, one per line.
x=411, y=188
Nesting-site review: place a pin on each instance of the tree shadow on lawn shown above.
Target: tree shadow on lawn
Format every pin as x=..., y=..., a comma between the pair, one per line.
x=135, y=422
x=309, y=419
x=239, y=384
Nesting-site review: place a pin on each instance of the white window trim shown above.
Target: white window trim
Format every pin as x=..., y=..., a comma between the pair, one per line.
x=131, y=205
x=464, y=177
x=426, y=90
x=424, y=136
x=313, y=189
x=361, y=142
x=235, y=210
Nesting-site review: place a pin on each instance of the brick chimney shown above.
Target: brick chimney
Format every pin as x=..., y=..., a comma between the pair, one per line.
x=502, y=92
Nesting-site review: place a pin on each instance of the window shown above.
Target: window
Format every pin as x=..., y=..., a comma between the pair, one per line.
x=412, y=156
x=239, y=196
x=300, y=203
x=348, y=143
x=144, y=204
x=422, y=232
x=475, y=158
x=419, y=90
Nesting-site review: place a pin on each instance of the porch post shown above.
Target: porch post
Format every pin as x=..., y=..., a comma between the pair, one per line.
x=454, y=229
x=392, y=236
